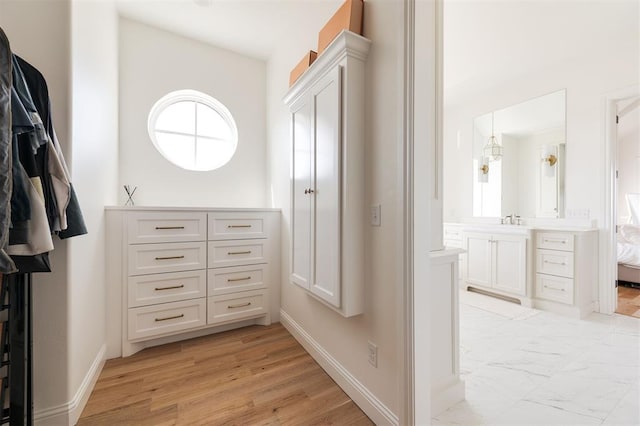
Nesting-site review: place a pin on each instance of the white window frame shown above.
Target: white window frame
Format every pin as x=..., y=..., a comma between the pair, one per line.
x=197, y=97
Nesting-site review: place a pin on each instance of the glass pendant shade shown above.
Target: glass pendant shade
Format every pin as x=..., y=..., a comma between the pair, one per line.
x=492, y=149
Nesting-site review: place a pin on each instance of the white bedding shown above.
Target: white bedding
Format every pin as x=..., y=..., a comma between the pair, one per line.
x=629, y=245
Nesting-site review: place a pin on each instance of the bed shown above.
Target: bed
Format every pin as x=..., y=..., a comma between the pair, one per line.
x=629, y=244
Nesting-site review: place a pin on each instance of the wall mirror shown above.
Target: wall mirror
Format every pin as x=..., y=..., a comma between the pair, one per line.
x=519, y=159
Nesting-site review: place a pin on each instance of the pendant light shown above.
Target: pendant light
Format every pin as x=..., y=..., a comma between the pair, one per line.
x=492, y=149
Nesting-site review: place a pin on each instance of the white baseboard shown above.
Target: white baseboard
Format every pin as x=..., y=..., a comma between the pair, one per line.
x=69, y=413
x=445, y=398
x=360, y=394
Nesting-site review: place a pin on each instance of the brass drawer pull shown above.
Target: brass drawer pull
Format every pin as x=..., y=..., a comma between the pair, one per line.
x=556, y=241
x=169, y=227
x=238, y=226
x=230, y=280
x=170, y=288
x=169, y=257
x=231, y=253
x=242, y=305
x=169, y=318
x=553, y=288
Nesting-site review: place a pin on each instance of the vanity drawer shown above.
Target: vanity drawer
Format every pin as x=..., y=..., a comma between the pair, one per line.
x=234, y=279
x=170, y=287
x=232, y=307
x=237, y=253
x=167, y=227
x=554, y=262
x=236, y=226
x=171, y=257
x=452, y=233
x=556, y=289
x=149, y=321
x=554, y=241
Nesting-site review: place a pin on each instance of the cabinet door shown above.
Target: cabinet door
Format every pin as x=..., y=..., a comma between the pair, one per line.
x=300, y=199
x=509, y=264
x=477, y=269
x=326, y=196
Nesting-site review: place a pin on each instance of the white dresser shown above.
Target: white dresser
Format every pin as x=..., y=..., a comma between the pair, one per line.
x=178, y=273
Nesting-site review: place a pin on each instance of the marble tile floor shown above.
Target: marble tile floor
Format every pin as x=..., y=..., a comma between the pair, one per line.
x=523, y=366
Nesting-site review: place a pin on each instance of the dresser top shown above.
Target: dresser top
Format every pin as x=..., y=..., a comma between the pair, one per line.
x=189, y=209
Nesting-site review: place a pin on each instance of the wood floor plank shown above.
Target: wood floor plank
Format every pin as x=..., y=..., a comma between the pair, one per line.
x=250, y=376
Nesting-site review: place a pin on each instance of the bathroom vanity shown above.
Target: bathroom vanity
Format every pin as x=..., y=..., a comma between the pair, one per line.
x=550, y=268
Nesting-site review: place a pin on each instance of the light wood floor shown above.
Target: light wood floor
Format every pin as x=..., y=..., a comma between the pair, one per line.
x=628, y=301
x=255, y=375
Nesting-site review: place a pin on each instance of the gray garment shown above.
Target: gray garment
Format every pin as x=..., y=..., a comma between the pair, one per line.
x=6, y=264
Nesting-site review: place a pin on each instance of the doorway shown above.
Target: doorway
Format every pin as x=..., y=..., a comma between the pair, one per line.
x=626, y=204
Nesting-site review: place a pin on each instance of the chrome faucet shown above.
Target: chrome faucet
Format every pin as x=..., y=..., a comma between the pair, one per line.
x=509, y=218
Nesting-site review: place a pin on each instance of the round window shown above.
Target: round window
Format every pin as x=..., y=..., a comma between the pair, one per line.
x=193, y=130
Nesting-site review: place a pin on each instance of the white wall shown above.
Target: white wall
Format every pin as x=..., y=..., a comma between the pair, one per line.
x=94, y=154
x=588, y=73
x=75, y=46
x=628, y=159
x=346, y=339
x=39, y=32
x=153, y=63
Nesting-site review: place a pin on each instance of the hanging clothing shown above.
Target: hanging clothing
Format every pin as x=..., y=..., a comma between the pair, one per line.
x=69, y=213
x=6, y=174
x=36, y=196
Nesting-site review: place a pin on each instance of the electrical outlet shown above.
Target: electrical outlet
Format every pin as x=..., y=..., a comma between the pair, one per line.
x=375, y=215
x=373, y=354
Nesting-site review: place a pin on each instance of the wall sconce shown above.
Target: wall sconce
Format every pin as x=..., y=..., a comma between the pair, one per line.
x=483, y=170
x=549, y=160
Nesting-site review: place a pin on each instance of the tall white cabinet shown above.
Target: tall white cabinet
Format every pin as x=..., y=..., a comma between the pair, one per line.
x=327, y=187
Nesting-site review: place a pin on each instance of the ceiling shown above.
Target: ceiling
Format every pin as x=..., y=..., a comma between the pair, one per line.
x=250, y=27
x=486, y=42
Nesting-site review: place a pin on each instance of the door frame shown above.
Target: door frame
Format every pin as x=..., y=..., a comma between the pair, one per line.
x=420, y=169
x=607, y=292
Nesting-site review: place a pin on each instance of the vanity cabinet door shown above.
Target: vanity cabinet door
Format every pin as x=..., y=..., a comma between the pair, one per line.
x=509, y=264
x=478, y=259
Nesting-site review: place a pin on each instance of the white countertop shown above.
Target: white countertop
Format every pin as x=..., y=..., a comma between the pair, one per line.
x=204, y=209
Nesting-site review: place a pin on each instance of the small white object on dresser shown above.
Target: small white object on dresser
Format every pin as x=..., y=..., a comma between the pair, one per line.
x=177, y=273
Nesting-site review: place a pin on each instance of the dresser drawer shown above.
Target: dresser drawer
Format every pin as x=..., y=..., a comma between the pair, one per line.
x=556, y=289
x=554, y=262
x=554, y=241
x=236, y=226
x=166, y=318
x=170, y=287
x=167, y=227
x=234, y=279
x=171, y=257
x=232, y=307
x=236, y=253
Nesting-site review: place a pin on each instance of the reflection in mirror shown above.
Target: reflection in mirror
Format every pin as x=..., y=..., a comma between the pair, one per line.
x=524, y=176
